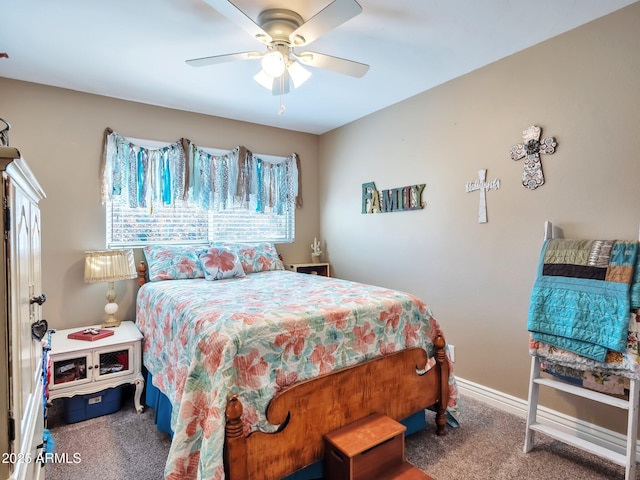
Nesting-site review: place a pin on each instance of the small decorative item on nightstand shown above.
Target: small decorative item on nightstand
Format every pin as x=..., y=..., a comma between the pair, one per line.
x=315, y=251
x=90, y=334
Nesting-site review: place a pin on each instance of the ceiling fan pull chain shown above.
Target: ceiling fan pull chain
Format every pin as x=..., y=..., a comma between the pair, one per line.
x=282, y=107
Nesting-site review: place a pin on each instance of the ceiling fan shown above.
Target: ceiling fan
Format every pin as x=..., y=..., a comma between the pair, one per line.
x=282, y=30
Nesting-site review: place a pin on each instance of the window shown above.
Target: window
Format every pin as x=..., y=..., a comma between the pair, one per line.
x=135, y=227
x=158, y=195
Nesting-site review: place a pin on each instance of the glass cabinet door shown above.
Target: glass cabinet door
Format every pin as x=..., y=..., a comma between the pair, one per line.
x=111, y=363
x=74, y=369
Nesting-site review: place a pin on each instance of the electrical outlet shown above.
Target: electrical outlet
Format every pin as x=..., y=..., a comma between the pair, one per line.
x=452, y=353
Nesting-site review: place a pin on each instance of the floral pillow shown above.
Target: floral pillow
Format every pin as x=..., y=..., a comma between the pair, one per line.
x=174, y=262
x=219, y=263
x=257, y=257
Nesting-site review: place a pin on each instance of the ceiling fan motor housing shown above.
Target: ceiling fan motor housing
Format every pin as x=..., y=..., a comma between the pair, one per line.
x=280, y=23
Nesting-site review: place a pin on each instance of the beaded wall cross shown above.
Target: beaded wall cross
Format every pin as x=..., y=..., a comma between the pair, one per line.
x=532, y=147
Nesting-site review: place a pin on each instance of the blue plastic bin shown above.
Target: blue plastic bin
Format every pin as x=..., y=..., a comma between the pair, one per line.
x=92, y=405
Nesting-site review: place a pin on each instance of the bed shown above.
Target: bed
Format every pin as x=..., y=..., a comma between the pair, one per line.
x=261, y=363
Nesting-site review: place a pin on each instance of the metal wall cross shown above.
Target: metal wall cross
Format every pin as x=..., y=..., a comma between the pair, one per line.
x=532, y=176
x=482, y=185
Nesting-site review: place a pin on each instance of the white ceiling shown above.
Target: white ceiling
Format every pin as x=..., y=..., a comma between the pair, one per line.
x=135, y=50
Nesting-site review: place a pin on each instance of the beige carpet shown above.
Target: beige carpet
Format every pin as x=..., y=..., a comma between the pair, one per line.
x=487, y=445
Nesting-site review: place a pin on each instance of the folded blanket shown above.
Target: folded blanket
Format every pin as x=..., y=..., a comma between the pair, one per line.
x=616, y=364
x=581, y=298
x=609, y=383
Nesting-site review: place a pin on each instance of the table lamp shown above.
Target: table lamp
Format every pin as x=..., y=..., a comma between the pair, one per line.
x=109, y=266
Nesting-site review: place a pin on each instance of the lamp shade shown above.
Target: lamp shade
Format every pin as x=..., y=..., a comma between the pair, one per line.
x=263, y=79
x=298, y=74
x=109, y=266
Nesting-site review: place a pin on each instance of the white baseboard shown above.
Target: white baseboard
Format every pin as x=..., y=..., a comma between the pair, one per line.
x=502, y=401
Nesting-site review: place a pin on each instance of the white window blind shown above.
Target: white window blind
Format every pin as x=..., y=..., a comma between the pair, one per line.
x=136, y=227
x=247, y=226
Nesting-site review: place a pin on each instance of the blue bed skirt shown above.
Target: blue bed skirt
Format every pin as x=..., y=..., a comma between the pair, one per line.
x=161, y=406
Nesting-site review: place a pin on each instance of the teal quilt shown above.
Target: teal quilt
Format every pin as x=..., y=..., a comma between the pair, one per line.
x=582, y=295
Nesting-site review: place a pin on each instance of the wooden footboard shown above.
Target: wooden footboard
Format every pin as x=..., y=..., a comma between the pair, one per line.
x=391, y=385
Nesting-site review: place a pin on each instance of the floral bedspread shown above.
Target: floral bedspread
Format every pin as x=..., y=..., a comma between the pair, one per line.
x=253, y=336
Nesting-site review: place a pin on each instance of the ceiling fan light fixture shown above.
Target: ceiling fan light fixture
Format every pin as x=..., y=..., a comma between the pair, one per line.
x=298, y=74
x=263, y=79
x=281, y=30
x=273, y=64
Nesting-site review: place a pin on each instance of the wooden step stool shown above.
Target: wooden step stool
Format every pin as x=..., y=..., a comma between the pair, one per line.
x=370, y=448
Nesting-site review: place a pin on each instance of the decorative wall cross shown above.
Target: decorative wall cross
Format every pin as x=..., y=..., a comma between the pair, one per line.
x=532, y=176
x=484, y=186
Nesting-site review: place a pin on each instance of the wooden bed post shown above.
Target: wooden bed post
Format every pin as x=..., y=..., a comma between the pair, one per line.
x=442, y=364
x=142, y=274
x=235, y=448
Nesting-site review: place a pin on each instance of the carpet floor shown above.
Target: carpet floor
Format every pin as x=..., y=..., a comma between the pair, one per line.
x=488, y=445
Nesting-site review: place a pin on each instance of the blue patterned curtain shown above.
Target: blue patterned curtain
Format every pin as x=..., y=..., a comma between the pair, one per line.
x=180, y=172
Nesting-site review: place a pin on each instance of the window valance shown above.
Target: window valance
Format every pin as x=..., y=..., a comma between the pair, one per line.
x=141, y=173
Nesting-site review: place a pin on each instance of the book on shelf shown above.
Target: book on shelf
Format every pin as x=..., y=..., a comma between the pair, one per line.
x=91, y=334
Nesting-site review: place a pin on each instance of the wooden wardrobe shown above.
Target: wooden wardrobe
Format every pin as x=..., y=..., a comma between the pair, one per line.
x=21, y=385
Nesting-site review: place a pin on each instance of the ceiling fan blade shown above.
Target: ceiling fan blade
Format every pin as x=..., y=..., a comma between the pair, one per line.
x=334, y=14
x=237, y=16
x=216, y=59
x=335, y=64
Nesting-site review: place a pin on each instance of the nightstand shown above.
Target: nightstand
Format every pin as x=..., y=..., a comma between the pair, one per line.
x=311, y=268
x=81, y=367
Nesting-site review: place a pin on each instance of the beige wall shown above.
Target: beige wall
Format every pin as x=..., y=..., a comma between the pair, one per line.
x=583, y=88
x=59, y=133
